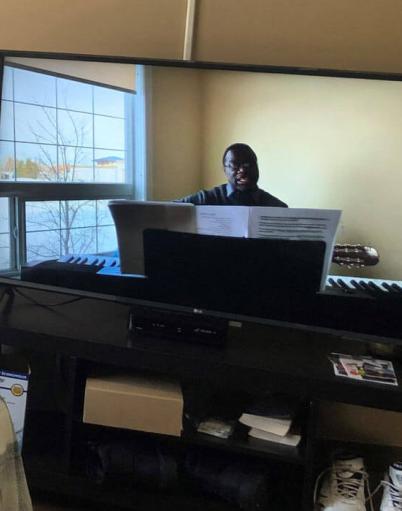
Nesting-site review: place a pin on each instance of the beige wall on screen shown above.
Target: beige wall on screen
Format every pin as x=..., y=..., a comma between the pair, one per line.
x=135, y=28
x=342, y=34
x=176, y=132
x=116, y=75
x=321, y=142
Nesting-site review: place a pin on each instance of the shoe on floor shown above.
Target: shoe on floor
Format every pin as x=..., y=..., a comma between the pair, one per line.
x=392, y=495
x=344, y=486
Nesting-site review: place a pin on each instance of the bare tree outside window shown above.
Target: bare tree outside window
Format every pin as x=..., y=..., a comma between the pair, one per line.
x=64, y=218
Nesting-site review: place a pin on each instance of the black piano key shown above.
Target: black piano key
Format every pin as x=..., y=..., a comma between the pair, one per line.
x=364, y=285
x=374, y=287
x=357, y=285
x=389, y=288
x=343, y=285
x=334, y=283
x=397, y=288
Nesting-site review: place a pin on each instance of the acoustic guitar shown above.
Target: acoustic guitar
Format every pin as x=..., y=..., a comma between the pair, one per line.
x=355, y=256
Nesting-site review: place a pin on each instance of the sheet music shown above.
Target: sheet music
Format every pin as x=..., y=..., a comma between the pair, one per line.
x=222, y=221
x=297, y=224
x=266, y=222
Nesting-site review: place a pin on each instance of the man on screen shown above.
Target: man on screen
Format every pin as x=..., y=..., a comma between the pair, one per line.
x=241, y=169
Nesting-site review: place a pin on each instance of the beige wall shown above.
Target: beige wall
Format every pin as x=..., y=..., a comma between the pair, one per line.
x=175, y=132
x=358, y=34
x=342, y=34
x=140, y=28
x=116, y=75
x=321, y=142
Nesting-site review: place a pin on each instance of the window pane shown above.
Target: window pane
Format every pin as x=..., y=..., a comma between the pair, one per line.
x=7, y=121
x=68, y=227
x=77, y=214
x=36, y=88
x=7, y=83
x=107, y=240
x=36, y=162
x=35, y=124
x=75, y=129
x=109, y=133
x=43, y=245
x=76, y=164
x=7, y=160
x=4, y=216
x=5, y=261
x=73, y=95
x=109, y=102
x=42, y=216
x=79, y=241
x=109, y=166
x=104, y=216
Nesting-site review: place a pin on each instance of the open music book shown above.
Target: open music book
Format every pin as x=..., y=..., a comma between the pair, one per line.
x=132, y=217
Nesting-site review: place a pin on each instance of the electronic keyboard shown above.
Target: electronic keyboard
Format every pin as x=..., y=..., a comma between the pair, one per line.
x=355, y=304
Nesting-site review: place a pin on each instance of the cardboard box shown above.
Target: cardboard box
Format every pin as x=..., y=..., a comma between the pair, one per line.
x=14, y=375
x=134, y=402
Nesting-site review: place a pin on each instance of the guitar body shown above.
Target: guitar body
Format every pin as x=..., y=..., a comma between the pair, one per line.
x=355, y=255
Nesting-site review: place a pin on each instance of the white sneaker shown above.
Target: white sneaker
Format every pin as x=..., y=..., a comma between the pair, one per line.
x=344, y=486
x=392, y=496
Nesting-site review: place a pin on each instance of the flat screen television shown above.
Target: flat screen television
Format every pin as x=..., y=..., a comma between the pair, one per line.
x=323, y=139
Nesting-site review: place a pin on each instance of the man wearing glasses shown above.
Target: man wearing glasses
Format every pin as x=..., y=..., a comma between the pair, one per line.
x=241, y=170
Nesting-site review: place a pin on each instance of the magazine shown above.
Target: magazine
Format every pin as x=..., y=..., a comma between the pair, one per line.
x=363, y=368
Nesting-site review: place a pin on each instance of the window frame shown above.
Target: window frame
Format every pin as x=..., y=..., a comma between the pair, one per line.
x=19, y=193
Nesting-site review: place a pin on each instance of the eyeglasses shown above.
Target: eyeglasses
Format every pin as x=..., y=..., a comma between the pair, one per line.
x=236, y=166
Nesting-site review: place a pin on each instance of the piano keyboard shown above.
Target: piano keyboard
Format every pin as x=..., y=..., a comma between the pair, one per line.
x=96, y=261
x=373, y=287
x=345, y=285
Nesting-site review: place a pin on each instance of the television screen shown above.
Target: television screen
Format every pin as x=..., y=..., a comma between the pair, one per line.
x=323, y=140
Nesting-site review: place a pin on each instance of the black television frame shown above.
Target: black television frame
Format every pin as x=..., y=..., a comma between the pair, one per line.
x=192, y=64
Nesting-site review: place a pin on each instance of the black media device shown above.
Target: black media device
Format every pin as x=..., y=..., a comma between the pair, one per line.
x=192, y=327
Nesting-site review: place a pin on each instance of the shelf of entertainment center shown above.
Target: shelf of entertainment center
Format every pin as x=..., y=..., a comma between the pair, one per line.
x=248, y=446
x=45, y=473
x=77, y=486
x=239, y=443
x=255, y=359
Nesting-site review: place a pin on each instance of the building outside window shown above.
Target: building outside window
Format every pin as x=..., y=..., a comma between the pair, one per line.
x=66, y=148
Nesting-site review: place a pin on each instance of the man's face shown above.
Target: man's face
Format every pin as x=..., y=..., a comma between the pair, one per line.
x=241, y=171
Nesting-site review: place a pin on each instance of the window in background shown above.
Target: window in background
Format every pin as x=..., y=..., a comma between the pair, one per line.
x=5, y=238
x=61, y=132
x=55, y=228
x=58, y=130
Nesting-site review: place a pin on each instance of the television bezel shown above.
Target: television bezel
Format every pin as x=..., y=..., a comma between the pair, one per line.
x=194, y=64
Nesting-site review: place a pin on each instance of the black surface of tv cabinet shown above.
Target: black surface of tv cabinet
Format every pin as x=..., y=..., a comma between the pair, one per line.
x=90, y=330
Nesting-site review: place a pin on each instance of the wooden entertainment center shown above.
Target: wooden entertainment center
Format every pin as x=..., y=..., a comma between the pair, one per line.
x=76, y=332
